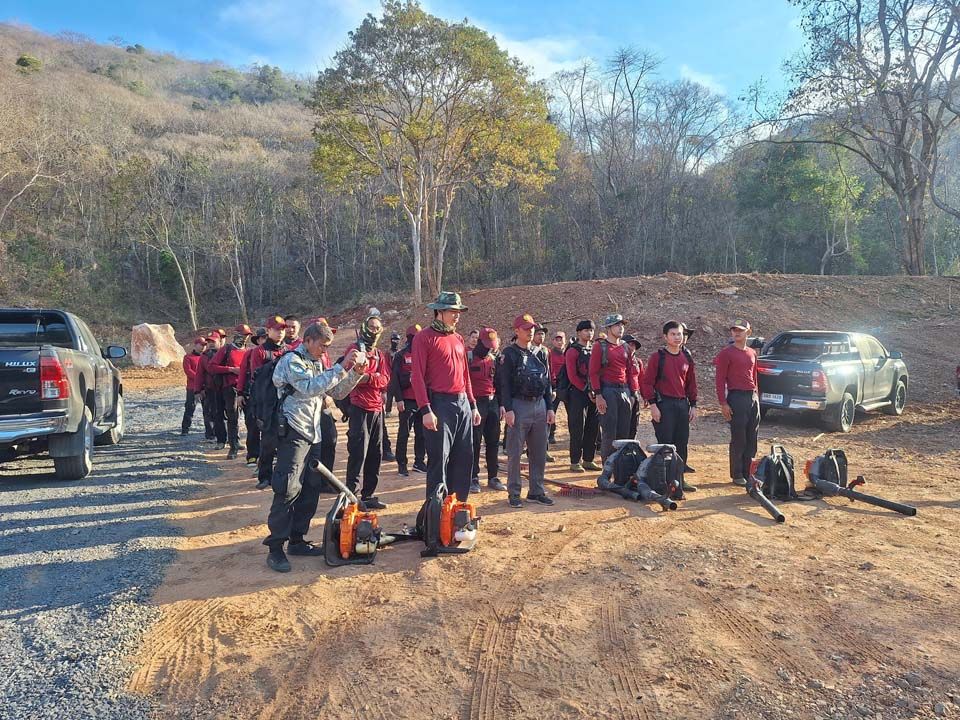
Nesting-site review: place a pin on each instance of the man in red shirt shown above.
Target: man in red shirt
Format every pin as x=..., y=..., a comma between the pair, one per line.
x=291, y=335
x=737, y=392
x=555, y=357
x=483, y=364
x=669, y=385
x=226, y=365
x=636, y=399
x=611, y=375
x=400, y=378
x=582, y=418
x=191, y=368
x=365, y=431
x=441, y=384
x=210, y=399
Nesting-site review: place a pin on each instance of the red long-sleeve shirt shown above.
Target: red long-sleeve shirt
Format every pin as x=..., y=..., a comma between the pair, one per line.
x=205, y=377
x=638, y=366
x=481, y=375
x=577, y=372
x=439, y=365
x=556, y=362
x=618, y=370
x=736, y=370
x=369, y=395
x=191, y=368
x=678, y=379
x=224, y=362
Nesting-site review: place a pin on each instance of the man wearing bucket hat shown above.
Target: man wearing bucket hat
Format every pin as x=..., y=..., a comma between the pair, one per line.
x=441, y=384
x=611, y=376
x=737, y=392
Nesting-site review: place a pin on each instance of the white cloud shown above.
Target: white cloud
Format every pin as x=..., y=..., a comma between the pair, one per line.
x=310, y=31
x=544, y=55
x=705, y=79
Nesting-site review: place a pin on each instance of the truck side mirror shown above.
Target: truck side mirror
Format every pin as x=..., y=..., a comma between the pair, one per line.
x=115, y=352
x=896, y=355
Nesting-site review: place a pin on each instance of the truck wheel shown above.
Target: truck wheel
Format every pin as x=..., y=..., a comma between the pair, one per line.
x=840, y=417
x=898, y=399
x=114, y=435
x=77, y=467
x=763, y=412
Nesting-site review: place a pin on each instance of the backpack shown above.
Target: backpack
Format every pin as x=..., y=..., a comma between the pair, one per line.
x=266, y=404
x=661, y=354
x=563, y=379
x=663, y=471
x=531, y=377
x=776, y=474
x=627, y=462
x=831, y=466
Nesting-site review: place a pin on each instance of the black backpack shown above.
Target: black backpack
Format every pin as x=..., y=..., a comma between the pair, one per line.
x=626, y=463
x=776, y=474
x=663, y=471
x=265, y=402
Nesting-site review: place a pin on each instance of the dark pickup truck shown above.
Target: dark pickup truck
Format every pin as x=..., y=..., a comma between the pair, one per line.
x=59, y=392
x=833, y=373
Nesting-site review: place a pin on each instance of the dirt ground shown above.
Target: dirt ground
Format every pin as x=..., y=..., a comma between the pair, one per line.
x=598, y=608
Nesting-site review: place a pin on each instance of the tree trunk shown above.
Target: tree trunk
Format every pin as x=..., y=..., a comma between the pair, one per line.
x=913, y=245
x=415, y=244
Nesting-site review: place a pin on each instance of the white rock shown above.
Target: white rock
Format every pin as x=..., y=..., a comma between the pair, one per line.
x=154, y=346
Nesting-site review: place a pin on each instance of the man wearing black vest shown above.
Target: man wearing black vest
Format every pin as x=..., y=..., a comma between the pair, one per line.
x=670, y=386
x=582, y=418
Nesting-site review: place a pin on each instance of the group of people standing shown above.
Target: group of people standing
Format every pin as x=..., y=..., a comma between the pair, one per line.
x=454, y=396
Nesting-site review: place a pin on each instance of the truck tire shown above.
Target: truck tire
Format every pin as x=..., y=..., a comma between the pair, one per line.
x=840, y=417
x=898, y=399
x=77, y=467
x=764, y=411
x=114, y=435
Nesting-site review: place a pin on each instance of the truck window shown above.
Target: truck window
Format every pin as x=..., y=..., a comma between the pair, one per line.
x=870, y=349
x=806, y=347
x=88, y=337
x=19, y=329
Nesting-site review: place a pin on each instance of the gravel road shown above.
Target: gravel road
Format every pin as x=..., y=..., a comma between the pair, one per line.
x=79, y=560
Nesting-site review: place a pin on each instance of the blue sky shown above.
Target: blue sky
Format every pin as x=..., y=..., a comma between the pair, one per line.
x=725, y=45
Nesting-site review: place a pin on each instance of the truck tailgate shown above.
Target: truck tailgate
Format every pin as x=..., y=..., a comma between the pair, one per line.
x=784, y=378
x=20, y=381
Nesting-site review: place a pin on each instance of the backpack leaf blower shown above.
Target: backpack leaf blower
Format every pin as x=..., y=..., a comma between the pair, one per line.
x=632, y=475
x=772, y=478
x=446, y=525
x=351, y=534
x=828, y=478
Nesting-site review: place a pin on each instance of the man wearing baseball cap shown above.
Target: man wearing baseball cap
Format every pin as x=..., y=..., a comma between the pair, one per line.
x=611, y=376
x=524, y=384
x=483, y=364
x=636, y=399
x=737, y=393
x=582, y=418
x=226, y=365
x=210, y=400
x=191, y=368
x=441, y=384
x=400, y=378
x=264, y=449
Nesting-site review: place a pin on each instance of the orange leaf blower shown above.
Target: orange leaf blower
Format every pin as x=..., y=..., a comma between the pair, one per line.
x=351, y=534
x=447, y=525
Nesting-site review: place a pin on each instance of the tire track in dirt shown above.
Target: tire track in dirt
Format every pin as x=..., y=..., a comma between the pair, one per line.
x=616, y=658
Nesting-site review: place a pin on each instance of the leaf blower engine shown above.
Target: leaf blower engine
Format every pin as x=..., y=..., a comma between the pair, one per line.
x=447, y=525
x=351, y=534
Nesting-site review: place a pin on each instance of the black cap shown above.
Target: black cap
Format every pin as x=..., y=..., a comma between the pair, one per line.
x=586, y=325
x=628, y=338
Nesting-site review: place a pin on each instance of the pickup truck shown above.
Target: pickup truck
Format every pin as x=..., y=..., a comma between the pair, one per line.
x=832, y=373
x=59, y=392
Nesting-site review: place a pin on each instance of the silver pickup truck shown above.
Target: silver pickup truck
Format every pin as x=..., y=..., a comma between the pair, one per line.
x=59, y=392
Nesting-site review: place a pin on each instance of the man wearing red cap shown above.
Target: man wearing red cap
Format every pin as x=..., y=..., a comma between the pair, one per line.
x=400, y=378
x=524, y=384
x=226, y=365
x=191, y=368
x=441, y=383
x=210, y=400
x=483, y=363
x=737, y=393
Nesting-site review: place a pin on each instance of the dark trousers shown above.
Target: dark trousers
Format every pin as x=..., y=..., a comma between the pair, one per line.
x=615, y=422
x=227, y=418
x=744, y=428
x=584, y=424
x=189, y=406
x=295, y=492
x=209, y=404
x=674, y=425
x=489, y=432
x=268, y=455
x=364, y=448
x=635, y=404
x=450, y=446
x=253, y=431
x=410, y=419
x=328, y=440
x=553, y=428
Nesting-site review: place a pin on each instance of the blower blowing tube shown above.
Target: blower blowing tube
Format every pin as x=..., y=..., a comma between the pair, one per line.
x=831, y=489
x=754, y=491
x=319, y=467
x=648, y=494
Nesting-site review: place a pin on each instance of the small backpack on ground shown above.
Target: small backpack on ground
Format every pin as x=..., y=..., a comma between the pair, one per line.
x=626, y=463
x=776, y=474
x=266, y=403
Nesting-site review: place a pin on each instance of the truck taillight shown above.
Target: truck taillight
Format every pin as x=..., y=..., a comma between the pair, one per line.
x=53, y=380
x=766, y=368
x=818, y=381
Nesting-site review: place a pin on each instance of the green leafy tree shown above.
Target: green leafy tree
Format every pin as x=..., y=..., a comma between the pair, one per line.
x=430, y=107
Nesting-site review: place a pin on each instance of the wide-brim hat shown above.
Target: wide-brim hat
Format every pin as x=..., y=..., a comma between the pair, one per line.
x=447, y=301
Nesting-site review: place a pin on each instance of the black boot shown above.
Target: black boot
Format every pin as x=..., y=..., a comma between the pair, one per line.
x=277, y=560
